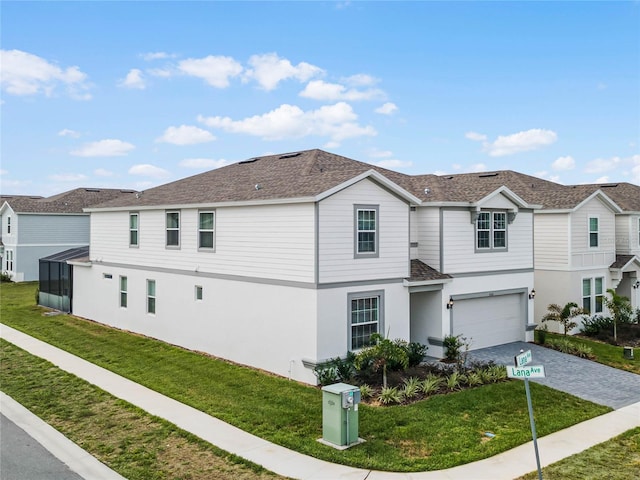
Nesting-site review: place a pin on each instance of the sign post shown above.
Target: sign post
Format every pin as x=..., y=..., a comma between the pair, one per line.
x=526, y=372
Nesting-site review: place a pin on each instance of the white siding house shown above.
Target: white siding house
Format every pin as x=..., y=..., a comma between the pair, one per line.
x=284, y=261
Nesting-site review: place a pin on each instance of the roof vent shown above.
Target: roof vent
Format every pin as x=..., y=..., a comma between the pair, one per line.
x=289, y=155
x=608, y=185
x=258, y=186
x=484, y=175
x=91, y=189
x=427, y=191
x=251, y=160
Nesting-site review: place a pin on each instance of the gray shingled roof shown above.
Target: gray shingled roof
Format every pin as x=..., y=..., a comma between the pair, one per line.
x=312, y=172
x=421, y=272
x=73, y=201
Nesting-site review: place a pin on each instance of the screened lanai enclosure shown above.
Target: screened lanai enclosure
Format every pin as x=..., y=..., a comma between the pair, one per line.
x=56, y=279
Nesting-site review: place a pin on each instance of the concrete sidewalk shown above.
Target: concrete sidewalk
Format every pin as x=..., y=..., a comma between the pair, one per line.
x=507, y=465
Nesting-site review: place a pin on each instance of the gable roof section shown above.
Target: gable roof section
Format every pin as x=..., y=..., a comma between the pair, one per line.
x=73, y=201
x=308, y=175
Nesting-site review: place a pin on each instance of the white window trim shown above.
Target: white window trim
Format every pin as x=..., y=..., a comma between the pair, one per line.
x=8, y=224
x=137, y=229
x=167, y=229
x=356, y=252
x=154, y=296
x=9, y=260
x=589, y=232
x=492, y=231
x=593, y=294
x=198, y=288
x=125, y=291
x=212, y=231
x=379, y=294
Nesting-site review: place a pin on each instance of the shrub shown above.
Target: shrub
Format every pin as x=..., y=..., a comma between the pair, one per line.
x=583, y=351
x=416, y=352
x=431, y=384
x=411, y=387
x=366, y=391
x=542, y=334
x=5, y=277
x=454, y=381
x=452, y=345
x=335, y=370
x=497, y=373
x=474, y=379
x=596, y=324
x=326, y=373
x=381, y=354
x=390, y=395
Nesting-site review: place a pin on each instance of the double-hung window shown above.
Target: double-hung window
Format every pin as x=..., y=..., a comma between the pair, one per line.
x=639, y=232
x=8, y=225
x=366, y=317
x=9, y=261
x=173, y=229
x=593, y=232
x=366, y=231
x=206, y=230
x=593, y=294
x=133, y=229
x=491, y=231
x=123, y=292
x=198, y=292
x=151, y=296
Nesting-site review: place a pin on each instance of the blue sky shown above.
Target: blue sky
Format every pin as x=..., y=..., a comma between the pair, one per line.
x=137, y=94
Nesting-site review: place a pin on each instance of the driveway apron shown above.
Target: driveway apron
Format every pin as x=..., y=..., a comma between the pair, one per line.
x=580, y=377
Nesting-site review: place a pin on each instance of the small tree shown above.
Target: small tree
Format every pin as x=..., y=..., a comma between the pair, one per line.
x=620, y=308
x=564, y=315
x=380, y=354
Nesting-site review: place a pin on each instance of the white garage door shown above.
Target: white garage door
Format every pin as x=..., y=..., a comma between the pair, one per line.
x=489, y=321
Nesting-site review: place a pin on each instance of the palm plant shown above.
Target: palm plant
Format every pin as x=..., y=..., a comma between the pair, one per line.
x=382, y=353
x=564, y=315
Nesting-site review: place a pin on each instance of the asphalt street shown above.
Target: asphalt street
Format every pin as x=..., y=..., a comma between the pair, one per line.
x=23, y=458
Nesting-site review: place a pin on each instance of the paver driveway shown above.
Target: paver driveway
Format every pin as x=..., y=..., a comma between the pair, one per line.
x=583, y=378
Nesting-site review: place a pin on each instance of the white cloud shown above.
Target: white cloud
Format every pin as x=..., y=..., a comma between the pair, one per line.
x=156, y=56
x=134, y=80
x=161, y=72
x=387, y=109
x=68, y=177
x=547, y=176
x=600, y=165
x=635, y=170
x=520, y=142
x=604, y=179
x=321, y=90
x=393, y=164
x=564, y=163
x=147, y=170
x=185, y=135
x=270, y=69
x=375, y=153
x=360, y=80
x=338, y=122
x=66, y=132
x=104, y=148
x=215, y=70
x=3, y=171
x=203, y=163
x=101, y=172
x=476, y=137
x=23, y=73
x=601, y=86
x=477, y=167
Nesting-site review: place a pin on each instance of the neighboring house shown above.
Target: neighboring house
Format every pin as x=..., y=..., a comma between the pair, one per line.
x=283, y=261
x=35, y=227
x=587, y=240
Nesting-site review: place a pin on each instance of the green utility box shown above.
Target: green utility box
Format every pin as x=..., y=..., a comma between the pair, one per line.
x=340, y=414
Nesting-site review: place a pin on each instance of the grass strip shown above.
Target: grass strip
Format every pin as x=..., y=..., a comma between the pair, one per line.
x=441, y=432
x=611, y=355
x=615, y=459
x=127, y=439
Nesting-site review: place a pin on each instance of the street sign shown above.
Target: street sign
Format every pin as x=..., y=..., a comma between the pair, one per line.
x=522, y=359
x=531, y=371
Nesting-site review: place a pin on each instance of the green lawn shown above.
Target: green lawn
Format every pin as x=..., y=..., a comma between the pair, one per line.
x=127, y=439
x=437, y=433
x=616, y=459
x=606, y=354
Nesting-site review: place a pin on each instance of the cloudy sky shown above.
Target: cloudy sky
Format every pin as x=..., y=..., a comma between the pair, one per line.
x=136, y=94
